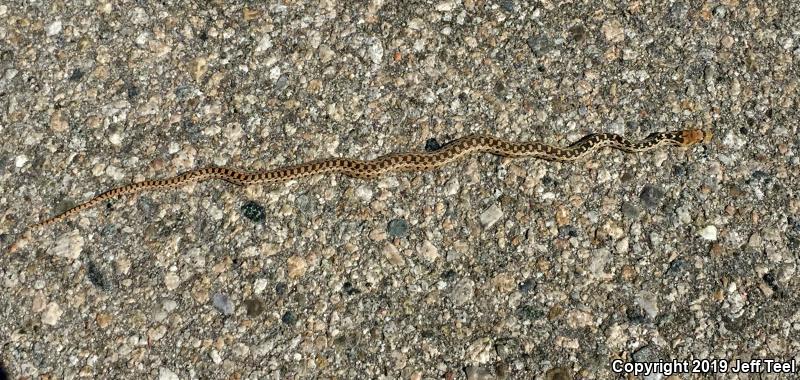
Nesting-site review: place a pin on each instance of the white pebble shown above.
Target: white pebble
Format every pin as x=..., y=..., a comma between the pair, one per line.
x=709, y=233
x=54, y=28
x=491, y=216
x=52, y=313
x=260, y=285
x=375, y=51
x=446, y=6
x=274, y=73
x=451, y=187
x=364, y=193
x=169, y=305
x=264, y=44
x=166, y=374
x=428, y=251
x=480, y=351
x=154, y=334
x=171, y=281
x=69, y=245
x=649, y=303
x=115, y=138
x=733, y=140
x=622, y=245
x=20, y=160
x=114, y=172
x=215, y=357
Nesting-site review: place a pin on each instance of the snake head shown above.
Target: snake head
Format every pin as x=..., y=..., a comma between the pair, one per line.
x=693, y=136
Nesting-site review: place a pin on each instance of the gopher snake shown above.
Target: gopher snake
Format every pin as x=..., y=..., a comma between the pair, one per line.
x=421, y=161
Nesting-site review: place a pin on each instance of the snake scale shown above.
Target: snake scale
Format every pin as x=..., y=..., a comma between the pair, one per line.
x=396, y=162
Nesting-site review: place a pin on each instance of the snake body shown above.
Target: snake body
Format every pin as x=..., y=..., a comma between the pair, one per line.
x=397, y=162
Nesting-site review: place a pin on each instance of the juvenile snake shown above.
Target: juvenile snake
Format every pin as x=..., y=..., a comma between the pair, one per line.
x=395, y=162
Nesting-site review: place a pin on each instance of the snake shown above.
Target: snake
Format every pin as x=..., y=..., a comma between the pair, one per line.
x=398, y=162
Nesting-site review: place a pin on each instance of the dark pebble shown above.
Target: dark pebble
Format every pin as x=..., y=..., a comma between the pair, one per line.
x=527, y=286
x=506, y=348
x=677, y=266
x=132, y=91
x=448, y=275
x=529, y=312
x=679, y=170
x=76, y=75
x=280, y=288
x=281, y=83
x=578, y=33
x=349, y=289
x=759, y=175
x=567, y=231
x=288, y=318
x=254, y=211
x=6, y=56
x=769, y=279
x=431, y=145
x=635, y=315
x=793, y=244
x=96, y=276
x=678, y=12
x=147, y=207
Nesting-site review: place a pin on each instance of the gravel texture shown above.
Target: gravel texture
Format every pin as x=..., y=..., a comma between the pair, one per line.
x=488, y=268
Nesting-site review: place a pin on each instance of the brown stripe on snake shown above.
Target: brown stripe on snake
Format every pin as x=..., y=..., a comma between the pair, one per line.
x=396, y=162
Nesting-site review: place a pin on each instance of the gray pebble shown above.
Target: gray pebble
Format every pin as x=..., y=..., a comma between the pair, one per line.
x=539, y=45
x=478, y=373
x=629, y=210
x=651, y=196
x=305, y=204
x=677, y=13
x=645, y=354
x=506, y=348
x=281, y=83
x=508, y=6
x=463, y=291
x=397, y=228
x=223, y=304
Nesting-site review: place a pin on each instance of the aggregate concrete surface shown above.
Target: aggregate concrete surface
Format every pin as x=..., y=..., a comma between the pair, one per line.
x=487, y=268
